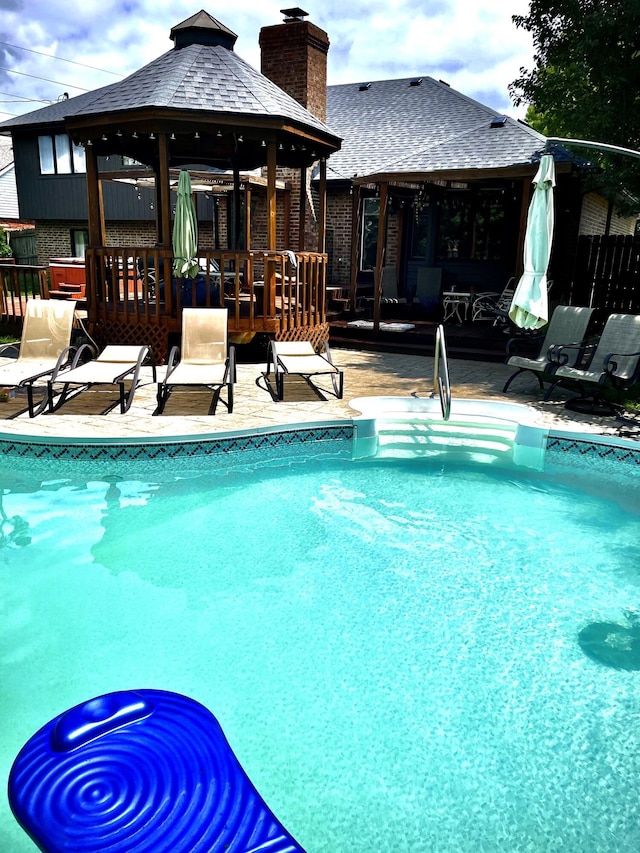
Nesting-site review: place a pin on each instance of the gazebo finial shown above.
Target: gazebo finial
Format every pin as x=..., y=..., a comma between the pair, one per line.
x=202, y=28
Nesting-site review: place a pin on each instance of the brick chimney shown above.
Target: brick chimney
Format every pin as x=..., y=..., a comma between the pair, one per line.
x=294, y=57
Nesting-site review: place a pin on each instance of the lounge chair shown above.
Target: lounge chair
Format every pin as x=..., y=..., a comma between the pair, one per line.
x=44, y=347
x=614, y=363
x=493, y=305
x=299, y=358
x=568, y=325
x=115, y=365
x=206, y=358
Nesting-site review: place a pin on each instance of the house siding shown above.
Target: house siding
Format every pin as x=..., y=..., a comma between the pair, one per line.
x=8, y=194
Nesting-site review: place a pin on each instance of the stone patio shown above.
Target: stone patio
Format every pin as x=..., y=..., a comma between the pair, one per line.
x=366, y=374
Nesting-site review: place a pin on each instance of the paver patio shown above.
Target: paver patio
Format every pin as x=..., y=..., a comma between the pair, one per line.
x=366, y=374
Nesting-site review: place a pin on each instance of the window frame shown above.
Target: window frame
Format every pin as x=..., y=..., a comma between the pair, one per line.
x=67, y=158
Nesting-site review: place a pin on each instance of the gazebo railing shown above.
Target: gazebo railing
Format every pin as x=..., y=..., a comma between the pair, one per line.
x=263, y=291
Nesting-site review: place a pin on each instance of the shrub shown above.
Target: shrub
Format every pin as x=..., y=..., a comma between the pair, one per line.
x=5, y=248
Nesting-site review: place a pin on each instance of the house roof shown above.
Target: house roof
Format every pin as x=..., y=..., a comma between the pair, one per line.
x=418, y=125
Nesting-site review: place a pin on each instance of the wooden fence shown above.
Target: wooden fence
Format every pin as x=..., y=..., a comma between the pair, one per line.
x=607, y=275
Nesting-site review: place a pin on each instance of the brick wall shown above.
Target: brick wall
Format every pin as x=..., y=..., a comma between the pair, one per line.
x=593, y=218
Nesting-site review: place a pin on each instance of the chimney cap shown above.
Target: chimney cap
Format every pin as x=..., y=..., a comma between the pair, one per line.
x=295, y=14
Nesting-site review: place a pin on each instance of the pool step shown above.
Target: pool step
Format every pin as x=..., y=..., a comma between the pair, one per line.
x=417, y=438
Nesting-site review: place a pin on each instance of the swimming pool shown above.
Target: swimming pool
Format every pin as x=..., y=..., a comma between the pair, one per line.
x=392, y=647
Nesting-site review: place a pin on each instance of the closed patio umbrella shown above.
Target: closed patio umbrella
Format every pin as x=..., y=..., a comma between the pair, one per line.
x=530, y=304
x=185, y=231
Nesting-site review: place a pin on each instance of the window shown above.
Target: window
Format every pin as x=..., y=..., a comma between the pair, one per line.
x=79, y=242
x=369, y=235
x=471, y=225
x=59, y=155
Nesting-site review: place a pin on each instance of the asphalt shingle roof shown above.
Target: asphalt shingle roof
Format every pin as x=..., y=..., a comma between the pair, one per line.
x=392, y=126
x=198, y=77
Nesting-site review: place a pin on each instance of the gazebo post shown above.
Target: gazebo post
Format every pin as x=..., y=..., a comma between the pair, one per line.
x=322, y=207
x=270, y=266
x=302, y=209
x=95, y=208
x=382, y=228
x=235, y=235
x=164, y=236
x=247, y=217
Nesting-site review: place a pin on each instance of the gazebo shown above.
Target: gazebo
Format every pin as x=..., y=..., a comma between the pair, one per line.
x=201, y=107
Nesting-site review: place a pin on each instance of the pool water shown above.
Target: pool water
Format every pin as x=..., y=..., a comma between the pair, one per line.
x=392, y=649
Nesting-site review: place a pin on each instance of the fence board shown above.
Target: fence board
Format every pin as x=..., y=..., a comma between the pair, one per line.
x=607, y=274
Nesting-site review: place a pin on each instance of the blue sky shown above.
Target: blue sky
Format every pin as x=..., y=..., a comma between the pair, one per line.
x=474, y=47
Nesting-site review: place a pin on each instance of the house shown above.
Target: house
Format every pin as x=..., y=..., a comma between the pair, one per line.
x=21, y=233
x=455, y=178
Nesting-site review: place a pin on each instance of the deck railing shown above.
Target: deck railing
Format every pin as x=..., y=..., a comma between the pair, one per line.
x=263, y=291
x=19, y=282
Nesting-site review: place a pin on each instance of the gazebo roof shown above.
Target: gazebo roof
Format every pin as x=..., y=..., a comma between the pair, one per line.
x=200, y=86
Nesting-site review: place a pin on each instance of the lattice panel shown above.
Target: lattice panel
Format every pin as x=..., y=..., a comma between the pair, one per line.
x=316, y=334
x=108, y=332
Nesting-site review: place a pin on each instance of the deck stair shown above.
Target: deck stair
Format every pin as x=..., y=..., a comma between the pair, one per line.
x=68, y=291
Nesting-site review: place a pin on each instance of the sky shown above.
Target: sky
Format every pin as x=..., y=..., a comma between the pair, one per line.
x=472, y=45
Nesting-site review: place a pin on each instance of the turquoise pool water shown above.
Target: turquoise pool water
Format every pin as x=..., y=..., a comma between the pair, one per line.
x=392, y=649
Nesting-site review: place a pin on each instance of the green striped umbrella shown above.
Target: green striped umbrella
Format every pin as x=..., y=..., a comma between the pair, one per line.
x=185, y=231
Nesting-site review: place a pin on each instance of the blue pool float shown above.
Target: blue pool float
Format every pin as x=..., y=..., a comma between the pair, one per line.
x=142, y=770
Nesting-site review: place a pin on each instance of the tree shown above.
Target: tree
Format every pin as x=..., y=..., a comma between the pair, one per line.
x=586, y=79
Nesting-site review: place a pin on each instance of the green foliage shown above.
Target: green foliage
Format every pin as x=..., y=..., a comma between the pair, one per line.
x=5, y=248
x=586, y=79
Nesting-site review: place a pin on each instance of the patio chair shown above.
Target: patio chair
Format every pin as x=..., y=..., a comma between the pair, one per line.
x=206, y=358
x=300, y=358
x=568, y=325
x=44, y=347
x=115, y=365
x=428, y=287
x=493, y=305
x=614, y=362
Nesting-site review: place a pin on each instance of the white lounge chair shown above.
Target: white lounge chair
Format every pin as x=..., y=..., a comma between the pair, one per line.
x=568, y=326
x=300, y=358
x=44, y=347
x=206, y=359
x=115, y=365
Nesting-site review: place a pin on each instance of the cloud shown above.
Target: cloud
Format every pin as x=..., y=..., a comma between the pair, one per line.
x=475, y=48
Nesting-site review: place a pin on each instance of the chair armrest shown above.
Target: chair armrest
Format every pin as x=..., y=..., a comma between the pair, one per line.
x=15, y=346
x=610, y=363
x=232, y=364
x=558, y=354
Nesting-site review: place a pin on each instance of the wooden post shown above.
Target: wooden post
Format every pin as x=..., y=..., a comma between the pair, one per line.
x=271, y=196
x=270, y=265
x=163, y=198
x=302, y=210
x=355, y=235
x=524, y=210
x=94, y=200
x=236, y=225
x=322, y=208
x=247, y=217
x=382, y=223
